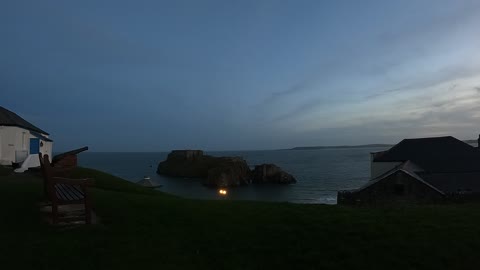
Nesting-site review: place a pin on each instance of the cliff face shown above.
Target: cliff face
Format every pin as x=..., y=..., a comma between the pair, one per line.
x=186, y=163
x=220, y=171
x=270, y=173
x=185, y=154
x=229, y=172
x=217, y=171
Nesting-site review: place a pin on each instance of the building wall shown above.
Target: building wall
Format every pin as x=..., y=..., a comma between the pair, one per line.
x=15, y=142
x=47, y=149
x=398, y=188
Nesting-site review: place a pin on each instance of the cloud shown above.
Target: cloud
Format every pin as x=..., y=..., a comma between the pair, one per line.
x=438, y=25
x=307, y=82
x=442, y=75
x=386, y=92
x=294, y=89
x=303, y=109
x=405, y=61
x=458, y=118
x=442, y=107
x=431, y=87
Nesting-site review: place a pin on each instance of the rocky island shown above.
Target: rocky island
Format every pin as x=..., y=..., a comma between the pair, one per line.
x=220, y=171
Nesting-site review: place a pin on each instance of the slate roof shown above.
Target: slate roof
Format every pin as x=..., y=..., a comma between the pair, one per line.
x=407, y=168
x=438, y=154
x=40, y=136
x=9, y=118
x=454, y=182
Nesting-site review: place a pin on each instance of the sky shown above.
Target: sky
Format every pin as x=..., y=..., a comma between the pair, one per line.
x=241, y=75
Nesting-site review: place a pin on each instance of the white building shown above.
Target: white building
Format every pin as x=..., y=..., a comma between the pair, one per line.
x=20, y=141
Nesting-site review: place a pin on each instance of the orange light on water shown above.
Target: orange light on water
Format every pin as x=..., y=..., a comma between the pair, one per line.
x=222, y=192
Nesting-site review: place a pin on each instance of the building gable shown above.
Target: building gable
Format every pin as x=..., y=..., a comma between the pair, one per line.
x=9, y=118
x=441, y=154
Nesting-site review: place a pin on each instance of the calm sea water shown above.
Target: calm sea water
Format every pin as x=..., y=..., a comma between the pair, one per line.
x=319, y=173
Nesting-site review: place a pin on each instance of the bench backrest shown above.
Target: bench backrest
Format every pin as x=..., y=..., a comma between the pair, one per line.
x=47, y=174
x=44, y=176
x=40, y=158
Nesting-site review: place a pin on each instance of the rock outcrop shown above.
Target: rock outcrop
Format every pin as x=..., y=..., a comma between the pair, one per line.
x=186, y=163
x=270, y=173
x=220, y=171
x=217, y=171
x=229, y=172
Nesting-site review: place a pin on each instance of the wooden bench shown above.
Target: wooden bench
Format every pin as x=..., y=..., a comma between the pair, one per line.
x=65, y=191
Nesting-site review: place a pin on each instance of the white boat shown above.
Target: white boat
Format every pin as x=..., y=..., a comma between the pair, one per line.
x=146, y=182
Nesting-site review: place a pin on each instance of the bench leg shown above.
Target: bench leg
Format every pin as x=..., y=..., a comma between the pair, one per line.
x=88, y=211
x=54, y=213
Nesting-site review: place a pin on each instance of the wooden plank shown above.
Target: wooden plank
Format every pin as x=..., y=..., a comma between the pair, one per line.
x=74, y=192
x=60, y=195
x=69, y=189
x=79, y=189
x=65, y=195
x=82, y=217
x=79, y=194
x=66, y=188
x=69, y=192
x=64, y=192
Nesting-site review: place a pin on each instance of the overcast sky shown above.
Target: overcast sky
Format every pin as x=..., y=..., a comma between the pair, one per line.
x=230, y=75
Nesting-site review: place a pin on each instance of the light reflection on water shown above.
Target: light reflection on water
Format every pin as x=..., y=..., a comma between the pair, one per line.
x=319, y=173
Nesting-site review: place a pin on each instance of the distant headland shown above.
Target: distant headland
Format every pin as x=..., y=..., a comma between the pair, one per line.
x=340, y=146
x=357, y=146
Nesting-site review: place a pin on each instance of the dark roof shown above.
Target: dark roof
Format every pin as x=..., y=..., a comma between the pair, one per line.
x=40, y=136
x=454, y=182
x=440, y=154
x=9, y=118
x=406, y=169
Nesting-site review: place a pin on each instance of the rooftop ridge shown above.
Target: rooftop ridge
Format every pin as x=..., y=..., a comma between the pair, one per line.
x=9, y=118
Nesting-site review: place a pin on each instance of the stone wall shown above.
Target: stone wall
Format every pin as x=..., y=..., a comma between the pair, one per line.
x=397, y=188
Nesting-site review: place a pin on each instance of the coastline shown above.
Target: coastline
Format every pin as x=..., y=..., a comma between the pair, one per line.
x=320, y=174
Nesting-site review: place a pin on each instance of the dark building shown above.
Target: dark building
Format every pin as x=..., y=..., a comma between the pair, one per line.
x=425, y=170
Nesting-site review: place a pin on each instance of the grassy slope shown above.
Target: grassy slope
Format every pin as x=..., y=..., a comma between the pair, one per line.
x=143, y=229
x=4, y=171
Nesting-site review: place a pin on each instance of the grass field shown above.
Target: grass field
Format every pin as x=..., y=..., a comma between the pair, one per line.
x=145, y=229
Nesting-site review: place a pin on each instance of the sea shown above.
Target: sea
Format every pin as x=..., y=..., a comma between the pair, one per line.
x=320, y=173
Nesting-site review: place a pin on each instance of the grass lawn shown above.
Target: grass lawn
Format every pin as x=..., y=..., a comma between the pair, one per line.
x=145, y=229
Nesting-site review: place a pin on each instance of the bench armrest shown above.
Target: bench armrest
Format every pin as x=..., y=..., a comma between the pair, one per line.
x=79, y=182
